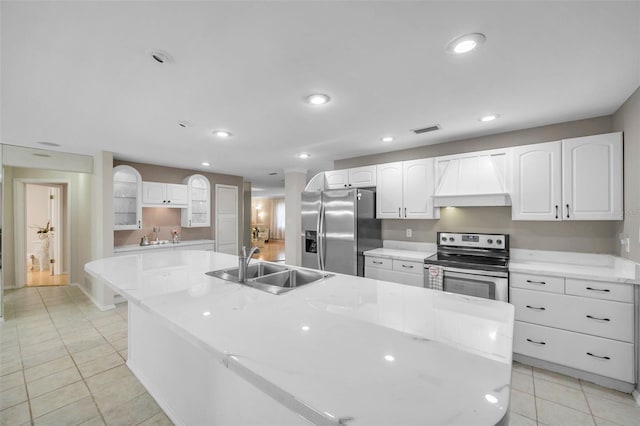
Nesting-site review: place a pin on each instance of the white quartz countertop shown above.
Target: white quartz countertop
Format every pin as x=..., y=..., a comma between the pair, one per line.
x=166, y=244
x=345, y=348
x=410, y=255
x=588, y=266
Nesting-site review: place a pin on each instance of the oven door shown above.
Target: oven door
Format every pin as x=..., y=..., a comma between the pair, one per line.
x=472, y=284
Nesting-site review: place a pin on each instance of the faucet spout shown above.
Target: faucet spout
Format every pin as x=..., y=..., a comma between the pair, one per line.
x=243, y=262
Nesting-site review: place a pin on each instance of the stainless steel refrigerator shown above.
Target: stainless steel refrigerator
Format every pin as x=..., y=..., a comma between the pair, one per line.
x=337, y=227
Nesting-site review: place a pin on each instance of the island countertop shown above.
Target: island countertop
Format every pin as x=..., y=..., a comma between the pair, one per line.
x=344, y=349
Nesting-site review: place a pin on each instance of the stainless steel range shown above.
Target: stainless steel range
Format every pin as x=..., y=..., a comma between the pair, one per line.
x=471, y=264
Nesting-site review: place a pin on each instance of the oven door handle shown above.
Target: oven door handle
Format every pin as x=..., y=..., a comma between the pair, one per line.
x=485, y=278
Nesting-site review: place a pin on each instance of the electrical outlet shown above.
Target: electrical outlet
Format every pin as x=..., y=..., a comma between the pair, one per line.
x=409, y=232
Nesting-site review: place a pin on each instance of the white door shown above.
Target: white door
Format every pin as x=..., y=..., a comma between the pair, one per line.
x=537, y=188
x=154, y=192
x=337, y=179
x=389, y=191
x=227, y=219
x=55, y=213
x=592, y=177
x=418, y=186
x=361, y=177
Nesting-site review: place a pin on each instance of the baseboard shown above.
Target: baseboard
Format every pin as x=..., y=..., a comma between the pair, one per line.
x=93, y=299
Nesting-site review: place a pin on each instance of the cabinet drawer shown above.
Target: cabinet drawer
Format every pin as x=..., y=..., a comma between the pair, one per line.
x=408, y=267
x=600, y=290
x=612, y=320
x=537, y=282
x=378, y=262
x=605, y=357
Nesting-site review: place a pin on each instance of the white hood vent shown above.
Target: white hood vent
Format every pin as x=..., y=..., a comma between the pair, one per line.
x=472, y=180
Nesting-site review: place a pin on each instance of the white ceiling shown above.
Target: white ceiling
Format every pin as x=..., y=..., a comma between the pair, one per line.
x=78, y=74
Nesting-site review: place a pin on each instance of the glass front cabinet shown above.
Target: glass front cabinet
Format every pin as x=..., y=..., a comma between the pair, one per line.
x=127, y=198
x=198, y=211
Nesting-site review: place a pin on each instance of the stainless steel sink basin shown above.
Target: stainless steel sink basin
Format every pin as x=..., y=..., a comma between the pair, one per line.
x=275, y=279
x=254, y=270
x=291, y=278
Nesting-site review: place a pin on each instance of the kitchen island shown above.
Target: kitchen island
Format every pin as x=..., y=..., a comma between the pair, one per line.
x=343, y=350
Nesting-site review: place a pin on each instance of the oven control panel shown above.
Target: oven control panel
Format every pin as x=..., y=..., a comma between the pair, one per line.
x=489, y=241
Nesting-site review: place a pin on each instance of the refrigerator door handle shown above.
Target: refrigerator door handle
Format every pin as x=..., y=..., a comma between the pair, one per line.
x=320, y=236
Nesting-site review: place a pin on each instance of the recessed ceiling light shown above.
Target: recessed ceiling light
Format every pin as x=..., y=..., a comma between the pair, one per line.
x=303, y=155
x=389, y=358
x=184, y=124
x=466, y=43
x=53, y=144
x=318, y=99
x=206, y=164
x=387, y=139
x=160, y=56
x=273, y=173
x=222, y=133
x=255, y=188
x=488, y=117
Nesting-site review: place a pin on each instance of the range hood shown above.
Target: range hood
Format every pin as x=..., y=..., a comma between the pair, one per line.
x=472, y=180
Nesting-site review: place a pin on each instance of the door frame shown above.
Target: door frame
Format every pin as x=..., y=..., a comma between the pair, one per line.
x=19, y=223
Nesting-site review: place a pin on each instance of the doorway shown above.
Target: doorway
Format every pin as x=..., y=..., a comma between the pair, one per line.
x=44, y=234
x=267, y=228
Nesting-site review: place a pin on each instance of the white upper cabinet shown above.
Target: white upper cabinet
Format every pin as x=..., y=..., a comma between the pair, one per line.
x=537, y=188
x=358, y=177
x=156, y=194
x=573, y=179
x=405, y=189
x=592, y=177
x=198, y=211
x=127, y=198
x=389, y=191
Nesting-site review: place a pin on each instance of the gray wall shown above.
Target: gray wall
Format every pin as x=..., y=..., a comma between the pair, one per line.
x=579, y=236
x=627, y=119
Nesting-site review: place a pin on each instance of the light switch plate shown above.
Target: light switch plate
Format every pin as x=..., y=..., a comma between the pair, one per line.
x=409, y=232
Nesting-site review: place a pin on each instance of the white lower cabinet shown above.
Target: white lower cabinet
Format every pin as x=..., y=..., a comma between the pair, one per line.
x=582, y=324
x=394, y=270
x=605, y=357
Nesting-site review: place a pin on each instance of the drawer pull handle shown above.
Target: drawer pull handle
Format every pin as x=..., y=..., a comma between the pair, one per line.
x=598, y=319
x=377, y=263
x=408, y=266
x=537, y=343
x=536, y=282
x=597, y=356
x=604, y=290
x=536, y=308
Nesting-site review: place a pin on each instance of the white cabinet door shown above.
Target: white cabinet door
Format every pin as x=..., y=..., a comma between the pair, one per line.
x=337, y=179
x=153, y=193
x=198, y=211
x=418, y=185
x=177, y=194
x=127, y=198
x=389, y=191
x=537, y=185
x=361, y=177
x=592, y=177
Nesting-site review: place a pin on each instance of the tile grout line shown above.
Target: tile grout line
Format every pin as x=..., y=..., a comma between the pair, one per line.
x=75, y=365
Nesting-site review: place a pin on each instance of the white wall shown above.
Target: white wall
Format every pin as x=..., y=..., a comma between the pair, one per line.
x=294, y=183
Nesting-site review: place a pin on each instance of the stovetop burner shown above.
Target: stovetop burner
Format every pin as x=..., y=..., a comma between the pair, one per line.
x=484, y=252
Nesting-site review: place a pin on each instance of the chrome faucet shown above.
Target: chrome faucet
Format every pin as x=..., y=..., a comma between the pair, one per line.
x=243, y=262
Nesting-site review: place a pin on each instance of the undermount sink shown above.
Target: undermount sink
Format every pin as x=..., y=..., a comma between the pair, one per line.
x=275, y=279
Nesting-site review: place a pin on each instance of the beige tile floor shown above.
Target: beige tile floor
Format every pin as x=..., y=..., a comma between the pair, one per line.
x=62, y=362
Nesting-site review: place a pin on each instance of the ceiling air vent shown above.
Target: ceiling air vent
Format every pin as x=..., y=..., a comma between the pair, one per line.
x=426, y=129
